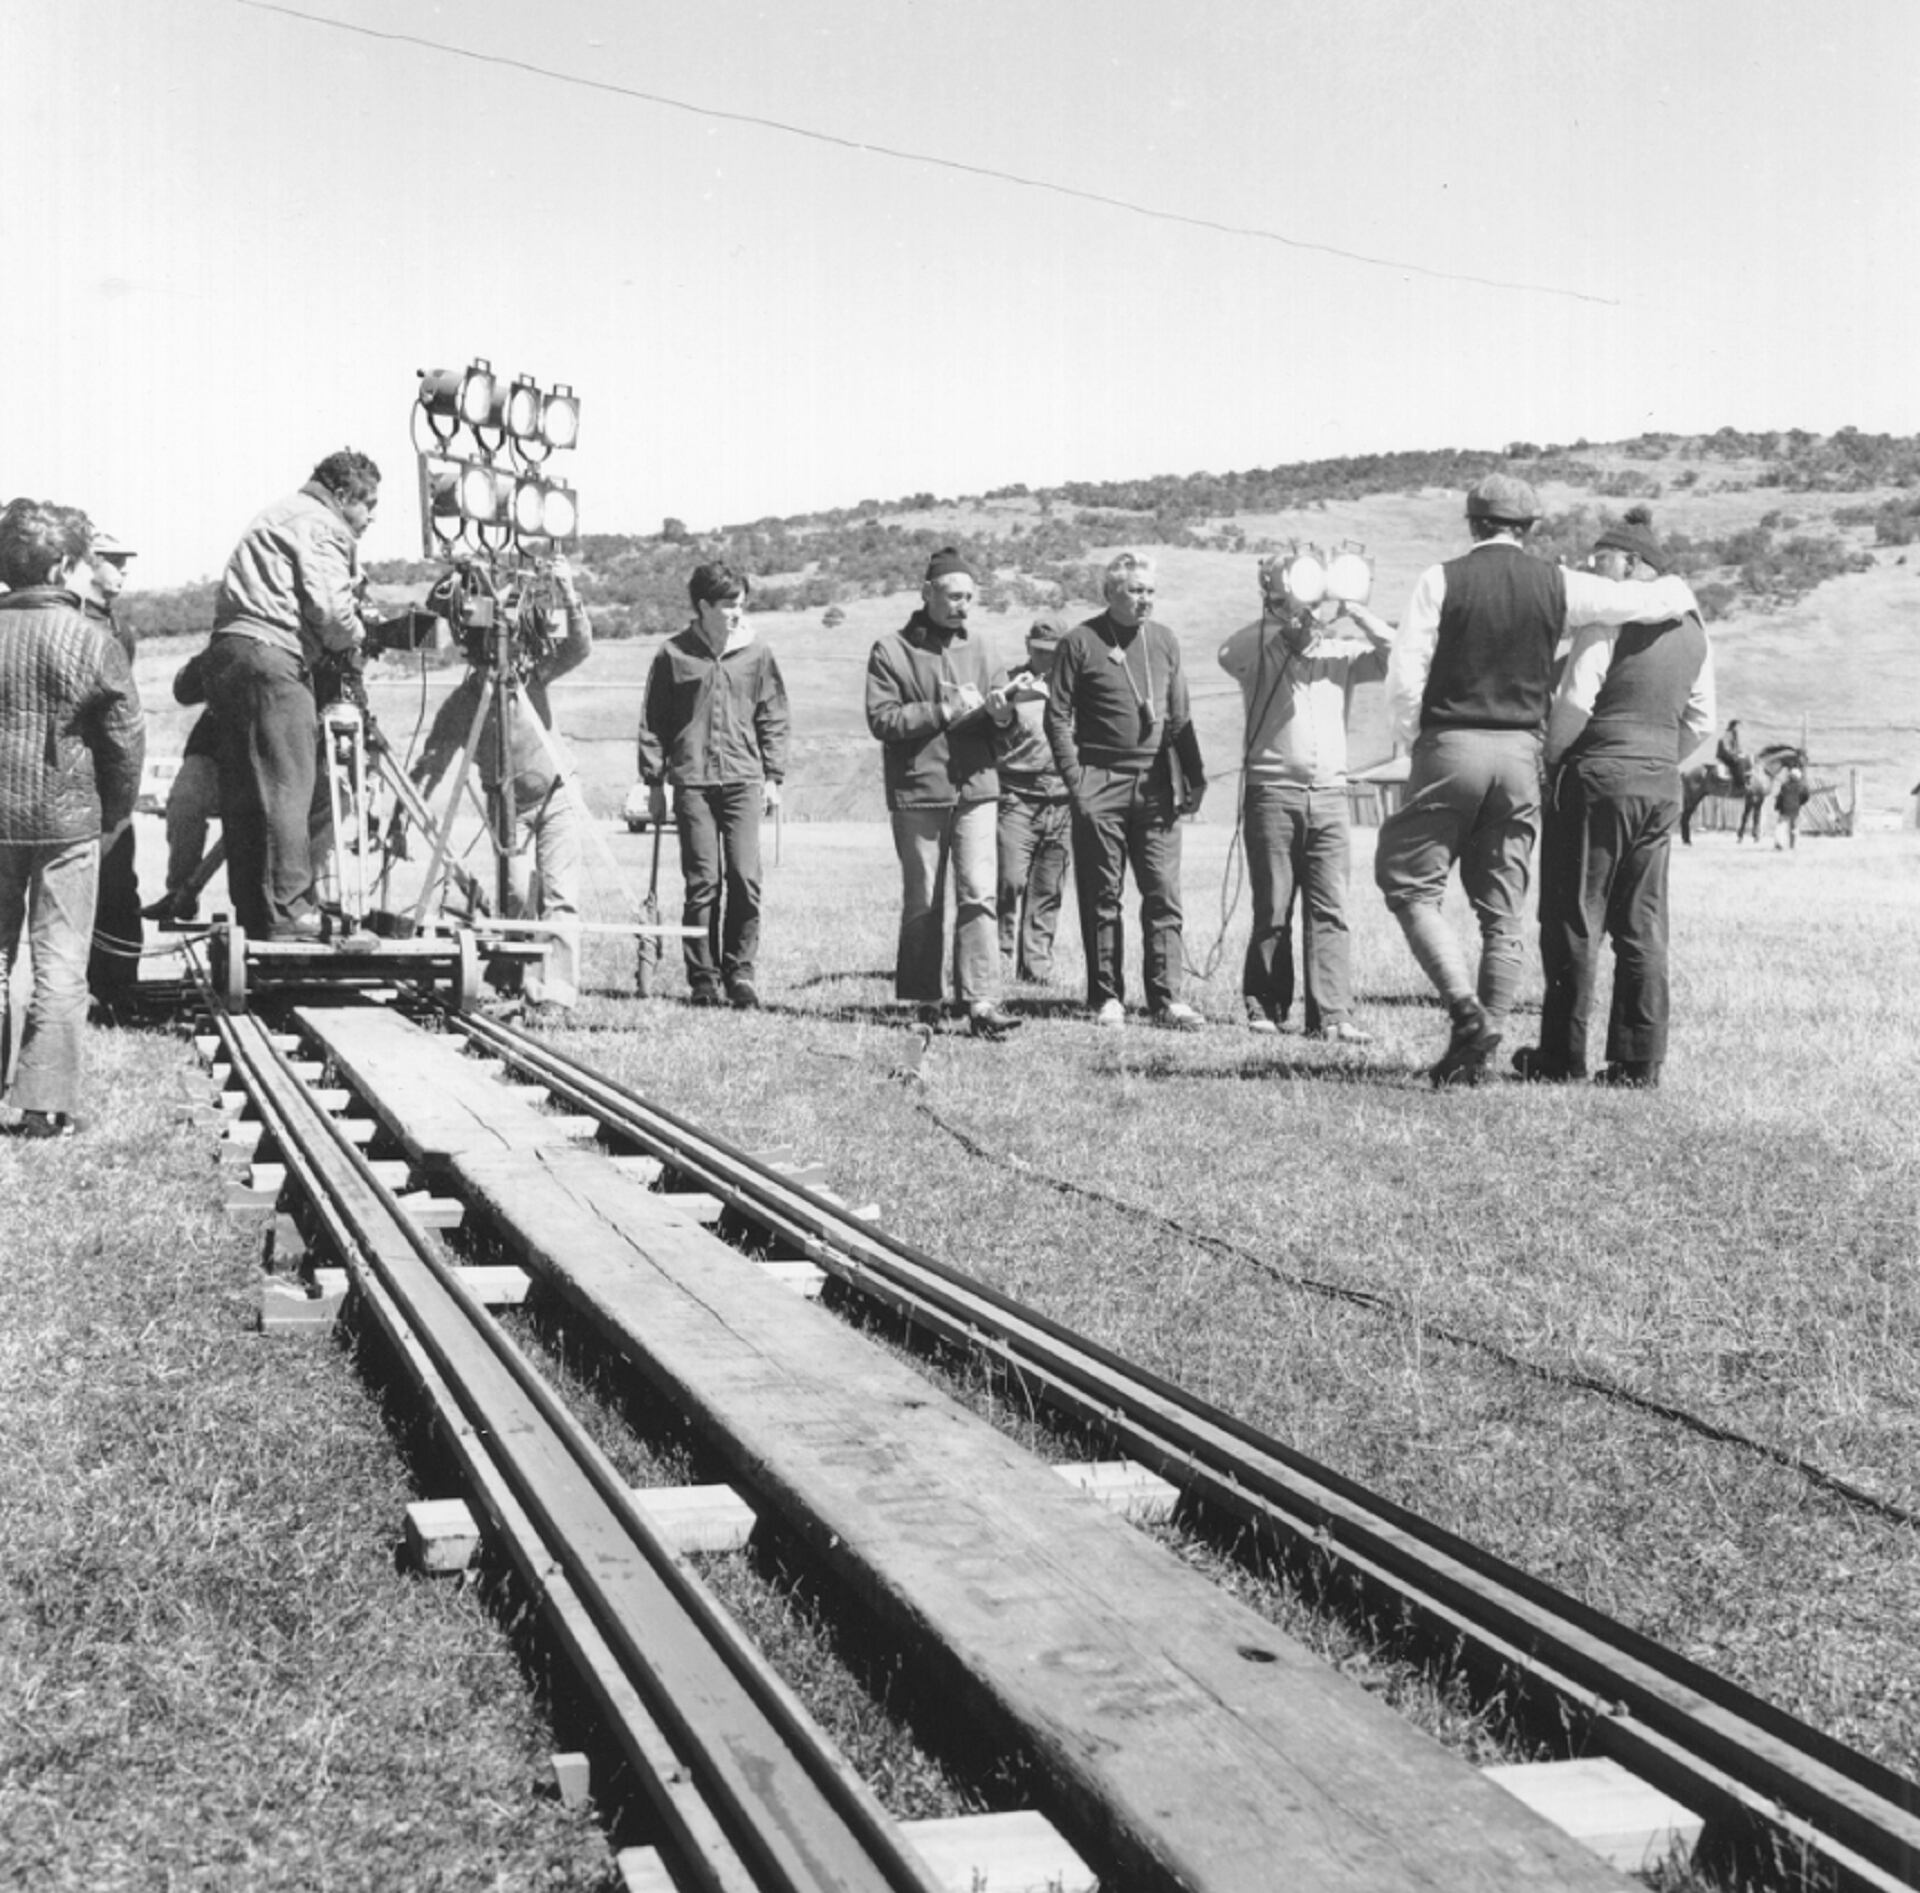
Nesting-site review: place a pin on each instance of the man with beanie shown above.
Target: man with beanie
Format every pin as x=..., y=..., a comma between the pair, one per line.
x=1124, y=743
x=1034, y=819
x=715, y=725
x=1469, y=685
x=1632, y=702
x=1298, y=677
x=288, y=605
x=936, y=695
x=113, y=966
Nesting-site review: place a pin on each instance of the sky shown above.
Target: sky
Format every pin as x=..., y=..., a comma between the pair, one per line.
x=799, y=254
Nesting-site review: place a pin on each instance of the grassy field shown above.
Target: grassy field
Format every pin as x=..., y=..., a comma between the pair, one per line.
x=212, y=1672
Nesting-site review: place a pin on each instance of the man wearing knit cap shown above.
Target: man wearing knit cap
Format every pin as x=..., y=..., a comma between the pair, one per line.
x=1632, y=703
x=1035, y=815
x=715, y=725
x=936, y=696
x=1469, y=685
x=1123, y=738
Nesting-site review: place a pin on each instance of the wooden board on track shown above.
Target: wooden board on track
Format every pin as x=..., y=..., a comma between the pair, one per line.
x=1182, y=1740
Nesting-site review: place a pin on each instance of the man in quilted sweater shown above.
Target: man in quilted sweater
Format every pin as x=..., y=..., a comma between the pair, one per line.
x=72, y=742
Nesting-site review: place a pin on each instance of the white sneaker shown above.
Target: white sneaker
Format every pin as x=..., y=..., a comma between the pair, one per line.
x=1177, y=1017
x=1112, y=1013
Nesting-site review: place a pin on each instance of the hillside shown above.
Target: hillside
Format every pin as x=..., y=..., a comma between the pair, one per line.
x=1755, y=520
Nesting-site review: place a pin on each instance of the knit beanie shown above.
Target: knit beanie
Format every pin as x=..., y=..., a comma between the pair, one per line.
x=1634, y=535
x=945, y=563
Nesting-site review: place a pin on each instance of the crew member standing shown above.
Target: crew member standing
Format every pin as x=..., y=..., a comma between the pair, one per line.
x=71, y=746
x=1298, y=679
x=113, y=965
x=936, y=694
x=1124, y=743
x=715, y=726
x=287, y=604
x=1631, y=703
x=1035, y=820
x=1469, y=683
x=543, y=801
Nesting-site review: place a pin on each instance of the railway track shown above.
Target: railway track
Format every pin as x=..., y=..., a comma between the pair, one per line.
x=744, y=1790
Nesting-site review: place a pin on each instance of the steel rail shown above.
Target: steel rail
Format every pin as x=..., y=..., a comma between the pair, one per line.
x=778, y=1810
x=1713, y=1744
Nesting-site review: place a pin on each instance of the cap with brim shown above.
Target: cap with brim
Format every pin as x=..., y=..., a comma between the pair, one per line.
x=945, y=563
x=1502, y=498
x=1634, y=539
x=106, y=546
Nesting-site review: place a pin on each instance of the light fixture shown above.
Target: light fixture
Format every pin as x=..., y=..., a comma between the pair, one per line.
x=545, y=509
x=452, y=398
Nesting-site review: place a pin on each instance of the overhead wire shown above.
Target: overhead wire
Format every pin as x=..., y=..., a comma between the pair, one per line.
x=869, y=148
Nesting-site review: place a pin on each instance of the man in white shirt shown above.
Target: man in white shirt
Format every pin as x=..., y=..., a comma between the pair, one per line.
x=1297, y=677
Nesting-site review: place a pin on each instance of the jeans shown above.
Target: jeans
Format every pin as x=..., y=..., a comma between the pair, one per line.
x=1298, y=840
x=1034, y=853
x=261, y=698
x=1121, y=820
x=719, y=824
x=1473, y=796
x=47, y=892
x=925, y=839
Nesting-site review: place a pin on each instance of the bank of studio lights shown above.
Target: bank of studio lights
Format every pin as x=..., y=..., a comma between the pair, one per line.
x=483, y=477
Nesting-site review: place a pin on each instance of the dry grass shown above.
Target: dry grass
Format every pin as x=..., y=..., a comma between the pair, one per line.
x=212, y=1673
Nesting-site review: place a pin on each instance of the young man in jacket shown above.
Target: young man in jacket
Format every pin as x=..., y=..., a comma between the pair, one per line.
x=72, y=742
x=715, y=726
x=936, y=696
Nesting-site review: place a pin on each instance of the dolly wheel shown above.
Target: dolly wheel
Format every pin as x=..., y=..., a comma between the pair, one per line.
x=466, y=971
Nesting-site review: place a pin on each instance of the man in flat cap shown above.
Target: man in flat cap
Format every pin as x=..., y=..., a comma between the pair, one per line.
x=119, y=933
x=1633, y=701
x=715, y=726
x=1469, y=685
x=936, y=697
x=1123, y=738
x=1035, y=817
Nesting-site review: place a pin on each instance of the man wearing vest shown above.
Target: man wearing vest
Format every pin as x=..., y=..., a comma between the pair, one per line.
x=1631, y=705
x=1469, y=685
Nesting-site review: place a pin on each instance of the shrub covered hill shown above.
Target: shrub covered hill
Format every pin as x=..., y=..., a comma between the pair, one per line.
x=1796, y=543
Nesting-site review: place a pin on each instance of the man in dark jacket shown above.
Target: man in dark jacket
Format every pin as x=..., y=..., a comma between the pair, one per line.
x=1469, y=684
x=936, y=695
x=288, y=604
x=714, y=725
x=1124, y=743
x=1631, y=702
x=71, y=747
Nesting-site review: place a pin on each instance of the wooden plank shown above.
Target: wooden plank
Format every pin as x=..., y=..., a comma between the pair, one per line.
x=1017, y=1852
x=458, y=1109
x=1181, y=1740
x=1628, y=1822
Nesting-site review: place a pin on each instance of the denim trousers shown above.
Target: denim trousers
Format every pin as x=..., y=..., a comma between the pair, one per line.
x=47, y=895
x=1298, y=842
x=1034, y=855
x=552, y=891
x=719, y=824
x=926, y=840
